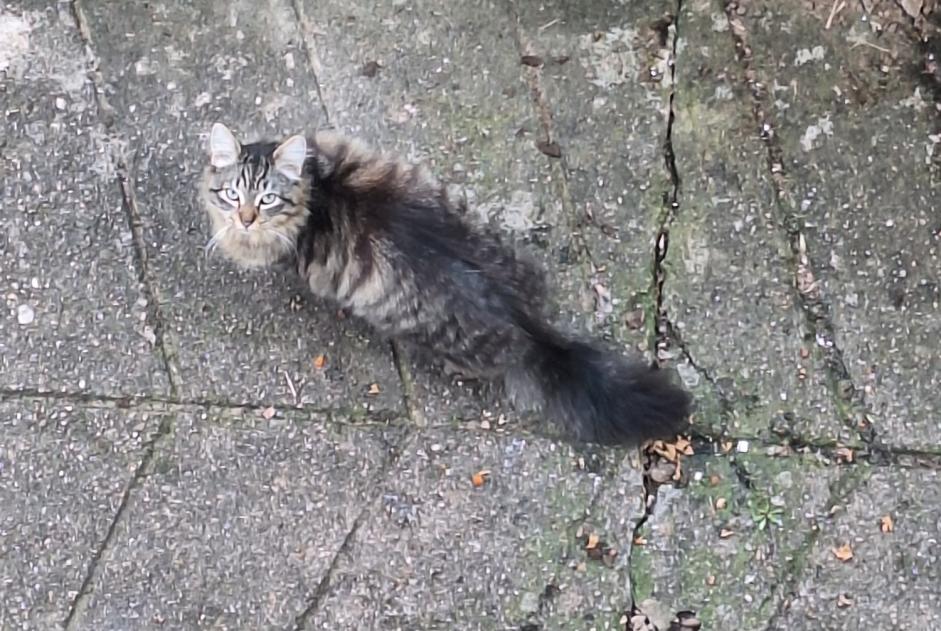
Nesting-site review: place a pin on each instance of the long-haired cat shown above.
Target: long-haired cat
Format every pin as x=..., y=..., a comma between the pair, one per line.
x=380, y=237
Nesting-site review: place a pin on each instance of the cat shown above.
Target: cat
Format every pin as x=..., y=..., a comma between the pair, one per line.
x=381, y=238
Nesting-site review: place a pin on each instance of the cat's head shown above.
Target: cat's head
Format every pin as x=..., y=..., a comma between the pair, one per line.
x=255, y=195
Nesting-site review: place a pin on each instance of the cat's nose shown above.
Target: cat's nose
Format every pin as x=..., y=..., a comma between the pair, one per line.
x=247, y=216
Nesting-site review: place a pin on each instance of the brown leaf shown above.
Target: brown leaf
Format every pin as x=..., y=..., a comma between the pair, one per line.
x=678, y=472
x=480, y=478
x=635, y=319
x=721, y=503
x=320, y=361
x=725, y=533
x=715, y=479
x=374, y=389
x=268, y=413
x=370, y=69
x=844, y=454
x=592, y=541
x=843, y=601
x=912, y=7
x=667, y=450
x=726, y=446
x=886, y=524
x=711, y=580
x=661, y=472
x=533, y=61
x=843, y=553
x=683, y=446
x=640, y=540
x=551, y=149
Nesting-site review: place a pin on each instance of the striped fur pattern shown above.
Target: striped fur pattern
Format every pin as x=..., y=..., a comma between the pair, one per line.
x=379, y=236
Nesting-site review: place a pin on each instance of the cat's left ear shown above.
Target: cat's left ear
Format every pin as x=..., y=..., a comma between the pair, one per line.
x=290, y=155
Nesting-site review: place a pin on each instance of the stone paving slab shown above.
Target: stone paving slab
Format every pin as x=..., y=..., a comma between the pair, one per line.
x=730, y=294
x=63, y=474
x=325, y=519
x=170, y=70
x=856, y=136
x=235, y=523
x=438, y=552
x=75, y=317
x=892, y=579
x=722, y=544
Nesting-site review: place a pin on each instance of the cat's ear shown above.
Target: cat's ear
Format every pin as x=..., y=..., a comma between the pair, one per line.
x=290, y=155
x=223, y=147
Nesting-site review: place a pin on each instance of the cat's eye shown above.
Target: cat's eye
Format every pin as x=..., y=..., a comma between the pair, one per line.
x=230, y=194
x=268, y=199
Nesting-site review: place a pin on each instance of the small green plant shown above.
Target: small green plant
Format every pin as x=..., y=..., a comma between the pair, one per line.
x=764, y=510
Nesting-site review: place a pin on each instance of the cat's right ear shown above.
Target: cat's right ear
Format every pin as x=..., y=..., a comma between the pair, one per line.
x=223, y=147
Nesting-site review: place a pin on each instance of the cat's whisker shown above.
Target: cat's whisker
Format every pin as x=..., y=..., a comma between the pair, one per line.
x=213, y=242
x=287, y=241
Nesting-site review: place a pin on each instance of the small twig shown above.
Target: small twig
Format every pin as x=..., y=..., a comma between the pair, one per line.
x=838, y=5
x=548, y=24
x=287, y=378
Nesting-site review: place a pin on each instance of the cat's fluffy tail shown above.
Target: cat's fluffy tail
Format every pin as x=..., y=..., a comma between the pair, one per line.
x=598, y=396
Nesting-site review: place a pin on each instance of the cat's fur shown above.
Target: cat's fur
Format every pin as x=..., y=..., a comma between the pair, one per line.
x=380, y=237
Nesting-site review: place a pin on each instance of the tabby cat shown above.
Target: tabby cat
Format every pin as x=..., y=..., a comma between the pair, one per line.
x=380, y=237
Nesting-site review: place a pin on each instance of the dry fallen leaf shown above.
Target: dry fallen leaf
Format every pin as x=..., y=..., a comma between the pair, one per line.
x=661, y=472
x=479, y=478
x=666, y=450
x=370, y=69
x=843, y=601
x=268, y=413
x=640, y=540
x=721, y=503
x=844, y=454
x=635, y=319
x=678, y=471
x=551, y=149
x=725, y=533
x=886, y=524
x=714, y=479
x=683, y=446
x=533, y=61
x=592, y=541
x=726, y=446
x=320, y=361
x=374, y=389
x=711, y=580
x=843, y=553
x=912, y=7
